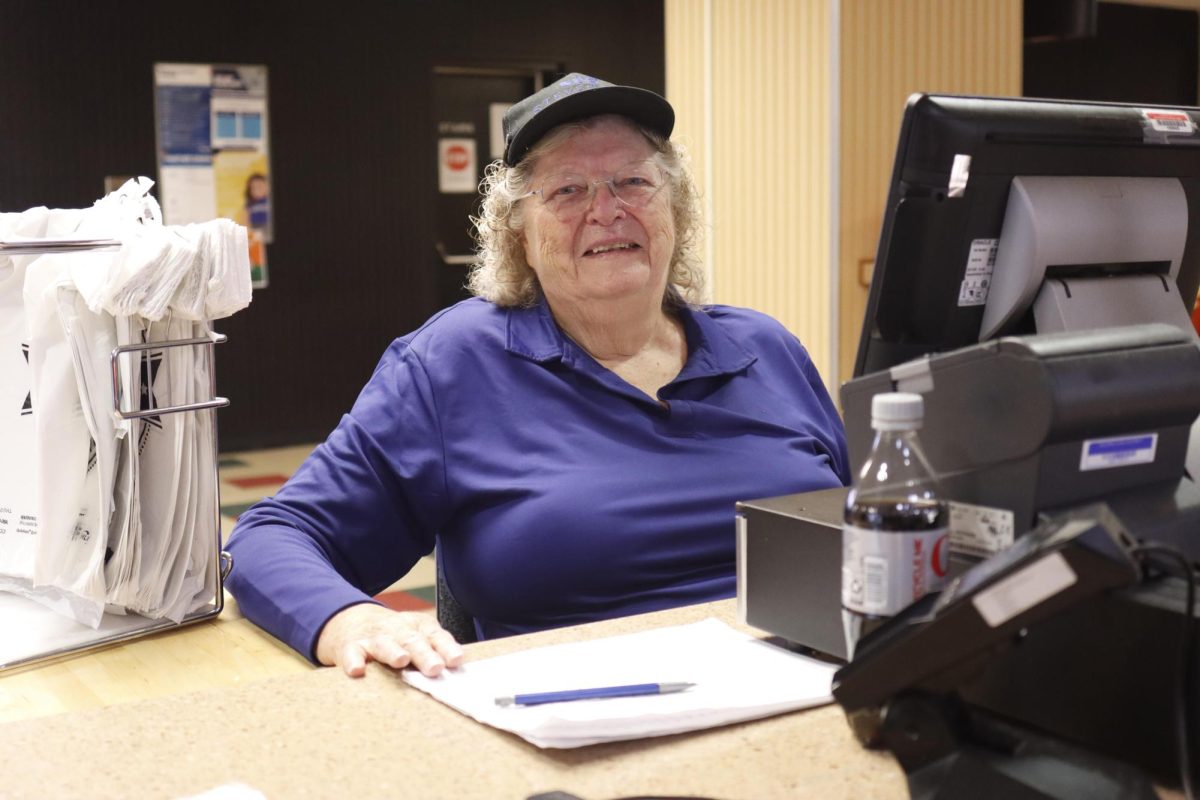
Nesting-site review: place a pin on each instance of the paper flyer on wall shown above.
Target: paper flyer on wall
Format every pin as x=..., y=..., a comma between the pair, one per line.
x=213, y=137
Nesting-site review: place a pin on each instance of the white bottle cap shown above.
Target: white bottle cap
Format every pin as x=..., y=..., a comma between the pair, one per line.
x=897, y=411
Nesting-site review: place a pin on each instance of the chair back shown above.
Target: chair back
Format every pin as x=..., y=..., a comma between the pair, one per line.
x=450, y=615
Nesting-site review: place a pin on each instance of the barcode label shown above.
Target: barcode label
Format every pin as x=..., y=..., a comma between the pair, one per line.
x=884, y=571
x=980, y=530
x=1118, y=451
x=875, y=583
x=981, y=260
x=1169, y=121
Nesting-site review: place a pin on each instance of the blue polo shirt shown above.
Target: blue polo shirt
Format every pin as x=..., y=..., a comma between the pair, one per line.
x=557, y=493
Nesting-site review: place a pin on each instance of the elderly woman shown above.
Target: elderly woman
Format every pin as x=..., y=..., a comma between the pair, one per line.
x=573, y=439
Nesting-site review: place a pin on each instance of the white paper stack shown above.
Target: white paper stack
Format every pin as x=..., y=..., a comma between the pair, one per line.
x=99, y=513
x=737, y=677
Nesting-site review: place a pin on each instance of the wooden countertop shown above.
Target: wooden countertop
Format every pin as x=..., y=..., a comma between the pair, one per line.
x=226, y=651
x=279, y=726
x=220, y=702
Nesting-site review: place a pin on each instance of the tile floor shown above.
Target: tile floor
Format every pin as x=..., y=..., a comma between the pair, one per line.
x=249, y=476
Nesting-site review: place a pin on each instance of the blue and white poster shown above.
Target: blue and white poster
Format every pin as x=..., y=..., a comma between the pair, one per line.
x=213, y=149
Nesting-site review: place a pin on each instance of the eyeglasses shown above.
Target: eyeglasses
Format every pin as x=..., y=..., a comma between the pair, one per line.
x=567, y=195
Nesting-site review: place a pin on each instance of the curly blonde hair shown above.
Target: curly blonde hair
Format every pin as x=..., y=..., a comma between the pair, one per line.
x=502, y=275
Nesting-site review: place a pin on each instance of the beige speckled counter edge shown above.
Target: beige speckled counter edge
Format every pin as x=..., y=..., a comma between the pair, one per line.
x=319, y=734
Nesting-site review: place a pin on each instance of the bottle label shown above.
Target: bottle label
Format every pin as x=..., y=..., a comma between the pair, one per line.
x=884, y=571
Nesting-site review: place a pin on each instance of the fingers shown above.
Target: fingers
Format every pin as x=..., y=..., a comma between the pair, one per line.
x=352, y=658
x=442, y=642
x=449, y=649
x=386, y=650
x=415, y=650
x=398, y=640
x=423, y=655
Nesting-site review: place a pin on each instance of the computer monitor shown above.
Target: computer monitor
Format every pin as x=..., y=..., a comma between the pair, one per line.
x=963, y=162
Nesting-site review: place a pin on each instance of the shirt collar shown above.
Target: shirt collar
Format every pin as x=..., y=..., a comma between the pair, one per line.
x=532, y=333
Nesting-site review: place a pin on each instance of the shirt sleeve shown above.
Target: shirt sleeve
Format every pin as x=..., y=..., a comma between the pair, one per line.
x=360, y=511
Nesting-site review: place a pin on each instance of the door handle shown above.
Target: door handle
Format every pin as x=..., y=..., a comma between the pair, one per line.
x=453, y=260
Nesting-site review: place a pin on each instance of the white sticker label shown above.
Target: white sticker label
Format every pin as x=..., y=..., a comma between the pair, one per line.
x=980, y=530
x=981, y=260
x=885, y=571
x=496, y=128
x=1118, y=451
x=1024, y=589
x=960, y=173
x=1169, y=121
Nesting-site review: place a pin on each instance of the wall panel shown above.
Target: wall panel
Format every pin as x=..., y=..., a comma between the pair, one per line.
x=888, y=51
x=687, y=65
x=767, y=103
x=771, y=167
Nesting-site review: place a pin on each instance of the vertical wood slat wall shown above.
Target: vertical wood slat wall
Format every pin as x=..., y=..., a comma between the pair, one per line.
x=757, y=77
x=890, y=50
x=686, y=29
x=767, y=108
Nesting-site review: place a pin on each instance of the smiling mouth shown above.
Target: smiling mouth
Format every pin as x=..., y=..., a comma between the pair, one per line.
x=611, y=248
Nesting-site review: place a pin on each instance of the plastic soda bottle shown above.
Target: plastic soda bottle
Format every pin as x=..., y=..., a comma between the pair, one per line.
x=894, y=536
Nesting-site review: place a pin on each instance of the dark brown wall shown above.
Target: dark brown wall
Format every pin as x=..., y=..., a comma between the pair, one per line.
x=352, y=152
x=1133, y=54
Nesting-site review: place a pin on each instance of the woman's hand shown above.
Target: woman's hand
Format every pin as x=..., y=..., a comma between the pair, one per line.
x=369, y=632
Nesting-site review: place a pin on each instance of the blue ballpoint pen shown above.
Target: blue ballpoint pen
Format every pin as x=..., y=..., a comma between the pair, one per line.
x=630, y=690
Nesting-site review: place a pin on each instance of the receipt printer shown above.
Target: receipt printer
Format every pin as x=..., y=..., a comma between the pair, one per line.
x=1013, y=428
x=1027, y=424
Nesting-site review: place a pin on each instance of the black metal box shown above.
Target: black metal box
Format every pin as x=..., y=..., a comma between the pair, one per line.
x=789, y=568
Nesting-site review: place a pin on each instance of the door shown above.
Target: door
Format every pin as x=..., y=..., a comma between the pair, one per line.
x=468, y=105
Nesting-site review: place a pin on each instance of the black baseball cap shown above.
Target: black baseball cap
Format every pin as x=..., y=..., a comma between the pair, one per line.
x=574, y=97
